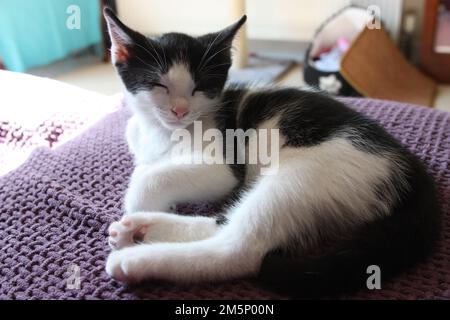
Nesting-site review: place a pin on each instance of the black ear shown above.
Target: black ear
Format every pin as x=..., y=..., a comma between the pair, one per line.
x=121, y=36
x=224, y=37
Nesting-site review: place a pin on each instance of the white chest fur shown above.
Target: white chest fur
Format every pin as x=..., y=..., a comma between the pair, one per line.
x=152, y=143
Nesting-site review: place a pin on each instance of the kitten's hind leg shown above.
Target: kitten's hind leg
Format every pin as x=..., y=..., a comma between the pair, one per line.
x=204, y=260
x=148, y=227
x=279, y=209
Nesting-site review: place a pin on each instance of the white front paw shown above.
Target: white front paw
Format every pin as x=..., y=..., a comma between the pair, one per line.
x=145, y=192
x=136, y=200
x=126, y=232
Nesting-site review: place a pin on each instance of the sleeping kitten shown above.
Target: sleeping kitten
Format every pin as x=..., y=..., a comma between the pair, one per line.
x=340, y=178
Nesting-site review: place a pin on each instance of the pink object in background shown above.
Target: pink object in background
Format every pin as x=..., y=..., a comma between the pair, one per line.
x=330, y=59
x=442, y=41
x=343, y=44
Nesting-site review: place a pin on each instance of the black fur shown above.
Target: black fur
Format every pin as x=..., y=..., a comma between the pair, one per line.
x=208, y=57
x=306, y=119
x=392, y=243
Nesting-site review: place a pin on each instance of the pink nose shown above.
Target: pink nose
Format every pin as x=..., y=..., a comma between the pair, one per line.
x=180, y=112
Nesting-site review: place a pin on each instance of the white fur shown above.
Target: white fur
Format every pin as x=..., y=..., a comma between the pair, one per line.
x=154, y=107
x=333, y=179
x=272, y=152
x=159, y=186
x=169, y=228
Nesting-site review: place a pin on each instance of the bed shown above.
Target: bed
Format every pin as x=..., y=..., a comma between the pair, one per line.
x=56, y=206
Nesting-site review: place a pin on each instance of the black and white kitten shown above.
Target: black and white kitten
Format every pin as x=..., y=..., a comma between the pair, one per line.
x=341, y=179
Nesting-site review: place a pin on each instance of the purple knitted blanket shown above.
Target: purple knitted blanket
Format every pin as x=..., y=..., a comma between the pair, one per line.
x=55, y=210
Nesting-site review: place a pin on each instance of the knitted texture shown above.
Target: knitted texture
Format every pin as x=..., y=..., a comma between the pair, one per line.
x=31, y=115
x=55, y=210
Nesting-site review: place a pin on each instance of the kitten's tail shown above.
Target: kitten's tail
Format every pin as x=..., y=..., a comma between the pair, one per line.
x=392, y=244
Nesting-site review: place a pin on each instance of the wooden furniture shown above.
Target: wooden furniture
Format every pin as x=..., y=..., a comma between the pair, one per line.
x=436, y=65
x=238, y=9
x=377, y=69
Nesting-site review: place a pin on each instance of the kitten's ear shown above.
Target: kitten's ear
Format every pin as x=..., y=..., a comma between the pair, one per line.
x=121, y=37
x=224, y=37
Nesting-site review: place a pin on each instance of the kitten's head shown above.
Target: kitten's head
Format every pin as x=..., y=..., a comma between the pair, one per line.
x=175, y=78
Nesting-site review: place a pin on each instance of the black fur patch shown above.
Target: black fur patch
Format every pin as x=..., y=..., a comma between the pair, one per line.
x=207, y=57
x=394, y=242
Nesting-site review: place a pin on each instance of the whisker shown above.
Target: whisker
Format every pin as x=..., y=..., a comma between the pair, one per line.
x=164, y=54
x=144, y=62
x=213, y=75
x=207, y=50
x=215, y=66
x=154, y=49
x=156, y=60
x=216, y=53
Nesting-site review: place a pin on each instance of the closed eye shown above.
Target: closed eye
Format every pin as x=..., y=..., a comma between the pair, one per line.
x=157, y=84
x=196, y=89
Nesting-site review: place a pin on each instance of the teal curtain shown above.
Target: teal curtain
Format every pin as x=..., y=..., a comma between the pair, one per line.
x=34, y=32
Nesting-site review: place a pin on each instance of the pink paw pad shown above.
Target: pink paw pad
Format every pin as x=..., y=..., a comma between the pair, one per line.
x=126, y=232
x=126, y=223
